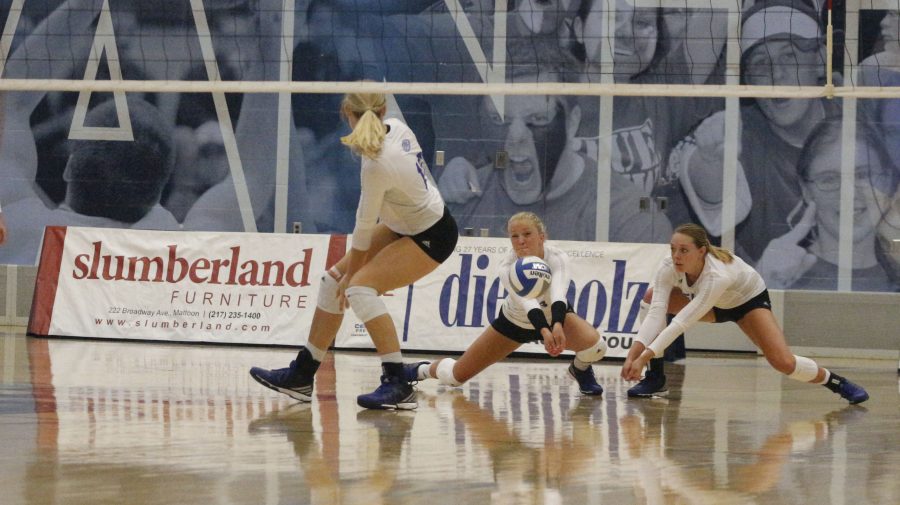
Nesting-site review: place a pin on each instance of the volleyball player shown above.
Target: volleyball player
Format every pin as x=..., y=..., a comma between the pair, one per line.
x=403, y=231
x=702, y=282
x=781, y=44
x=524, y=320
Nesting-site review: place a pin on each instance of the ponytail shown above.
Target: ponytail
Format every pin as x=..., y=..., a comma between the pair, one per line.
x=723, y=255
x=367, y=138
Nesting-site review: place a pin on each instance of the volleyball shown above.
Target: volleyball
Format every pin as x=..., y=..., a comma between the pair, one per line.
x=529, y=276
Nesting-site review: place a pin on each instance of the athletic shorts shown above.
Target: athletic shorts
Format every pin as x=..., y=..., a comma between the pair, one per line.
x=515, y=332
x=439, y=241
x=760, y=301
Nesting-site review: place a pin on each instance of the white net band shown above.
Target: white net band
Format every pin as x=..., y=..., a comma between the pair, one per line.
x=459, y=89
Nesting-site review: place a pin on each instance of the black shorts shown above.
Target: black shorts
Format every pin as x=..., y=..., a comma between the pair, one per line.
x=515, y=332
x=760, y=301
x=439, y=241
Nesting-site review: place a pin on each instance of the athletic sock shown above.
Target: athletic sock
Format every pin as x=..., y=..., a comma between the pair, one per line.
x=316, y=353
x=656, y=367
x=392, y=357
x=827, y=376
x=580, y=365
x=834, y=382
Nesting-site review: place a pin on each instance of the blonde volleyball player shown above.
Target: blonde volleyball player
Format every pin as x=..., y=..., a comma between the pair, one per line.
x=403, y=231
x=523, y=320
x=701, y=282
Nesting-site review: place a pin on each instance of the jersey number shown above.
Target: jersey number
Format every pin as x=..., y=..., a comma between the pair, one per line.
x=421, y=167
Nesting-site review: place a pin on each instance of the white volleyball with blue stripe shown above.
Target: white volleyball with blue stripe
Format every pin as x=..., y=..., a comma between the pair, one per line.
x=530, y=276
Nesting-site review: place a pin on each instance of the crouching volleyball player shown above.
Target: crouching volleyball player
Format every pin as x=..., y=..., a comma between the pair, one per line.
x=403, y=231
x=702, y=282
x=524, y=320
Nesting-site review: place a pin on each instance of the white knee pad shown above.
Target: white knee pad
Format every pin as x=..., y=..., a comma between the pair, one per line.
x=328, y=295
x=445, y=373
x=593, y=353
x=365, y=302
x=805, y=370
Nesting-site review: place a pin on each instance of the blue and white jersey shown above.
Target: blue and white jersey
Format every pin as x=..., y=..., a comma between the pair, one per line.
x=397, y=189
x=516, y=308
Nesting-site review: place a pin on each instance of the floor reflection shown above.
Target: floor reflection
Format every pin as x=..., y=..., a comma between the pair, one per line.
x=86, y=421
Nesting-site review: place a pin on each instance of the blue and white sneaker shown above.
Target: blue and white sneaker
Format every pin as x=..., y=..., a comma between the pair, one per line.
x=587, y=383
x=411, y=371
x=848, y=390
x=393, y=393
x=295, y=381
x=652, y=385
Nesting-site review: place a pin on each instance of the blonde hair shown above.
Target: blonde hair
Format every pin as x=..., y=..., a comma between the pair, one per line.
x=701, y=239
x=531, y=217
x=367, y=138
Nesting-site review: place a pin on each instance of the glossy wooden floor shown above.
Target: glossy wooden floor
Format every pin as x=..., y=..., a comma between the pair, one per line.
x=97, y=422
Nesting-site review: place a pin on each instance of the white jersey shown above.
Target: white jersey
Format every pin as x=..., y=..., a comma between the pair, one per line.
x=516, y=308
x=720, y=284
x=397, y=188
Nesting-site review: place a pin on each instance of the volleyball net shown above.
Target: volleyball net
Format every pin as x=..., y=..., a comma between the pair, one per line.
x=455, y=47
x=653, y=112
